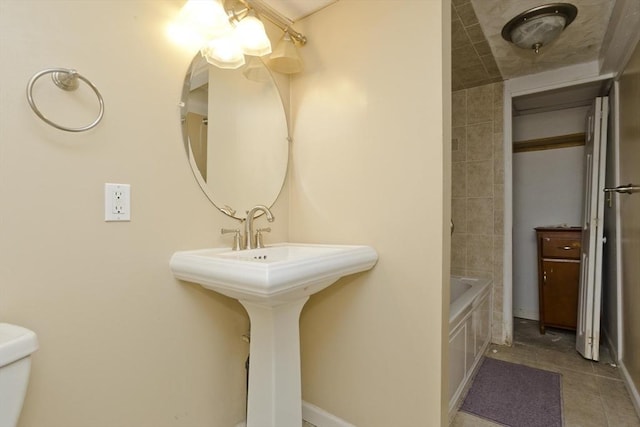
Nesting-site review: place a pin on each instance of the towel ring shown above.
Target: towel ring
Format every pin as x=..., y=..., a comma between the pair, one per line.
x=65, y=79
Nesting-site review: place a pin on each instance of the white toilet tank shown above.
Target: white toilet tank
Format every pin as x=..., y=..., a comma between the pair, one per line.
x=16, y=345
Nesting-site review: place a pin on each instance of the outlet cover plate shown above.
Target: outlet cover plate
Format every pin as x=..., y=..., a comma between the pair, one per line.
x=117, y=202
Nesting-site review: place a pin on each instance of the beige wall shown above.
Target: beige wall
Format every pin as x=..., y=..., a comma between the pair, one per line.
x=371, y=154
x=478, y=188
x=121, y=342
x=630, y=218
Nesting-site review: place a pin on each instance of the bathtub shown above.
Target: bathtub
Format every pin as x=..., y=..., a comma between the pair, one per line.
x=469, y=332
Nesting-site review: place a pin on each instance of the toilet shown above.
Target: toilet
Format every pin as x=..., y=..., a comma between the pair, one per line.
x=16, y=345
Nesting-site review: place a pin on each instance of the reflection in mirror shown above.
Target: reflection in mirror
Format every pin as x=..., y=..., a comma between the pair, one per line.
x=235, y=134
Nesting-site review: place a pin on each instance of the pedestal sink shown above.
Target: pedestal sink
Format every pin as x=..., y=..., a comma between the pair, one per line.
x=273, y=284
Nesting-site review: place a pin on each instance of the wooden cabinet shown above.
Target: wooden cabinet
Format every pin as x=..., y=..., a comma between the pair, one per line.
x=558, y=276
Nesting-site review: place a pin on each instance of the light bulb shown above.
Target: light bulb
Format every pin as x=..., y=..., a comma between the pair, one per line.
x=224, y=52
x=252, y=37
x=206, y=18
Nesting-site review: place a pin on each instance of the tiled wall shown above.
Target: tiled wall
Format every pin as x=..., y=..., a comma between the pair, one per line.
x=477, y=189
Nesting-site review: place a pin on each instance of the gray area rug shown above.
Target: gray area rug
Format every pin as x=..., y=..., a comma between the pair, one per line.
x=515, y=395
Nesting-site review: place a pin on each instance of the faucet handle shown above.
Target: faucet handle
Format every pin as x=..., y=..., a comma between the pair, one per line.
x=259, y=241
x=237, y=237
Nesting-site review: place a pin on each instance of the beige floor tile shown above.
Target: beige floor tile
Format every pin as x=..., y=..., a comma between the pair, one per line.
x=577, y=381
x=617, y=404
x=606, y=369
x=462, y=419
x=514, y=353
x=613, y=388
x=623, y=419
x=593, y=393
x=569, y=360
x=583, y=409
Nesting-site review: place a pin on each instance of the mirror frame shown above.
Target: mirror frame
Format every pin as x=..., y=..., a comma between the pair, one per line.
x=184, y=107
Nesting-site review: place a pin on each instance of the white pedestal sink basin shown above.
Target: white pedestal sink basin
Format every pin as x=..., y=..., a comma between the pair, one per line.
x=273, y=284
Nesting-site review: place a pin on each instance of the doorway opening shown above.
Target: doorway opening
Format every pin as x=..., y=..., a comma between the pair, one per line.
x=545, y=189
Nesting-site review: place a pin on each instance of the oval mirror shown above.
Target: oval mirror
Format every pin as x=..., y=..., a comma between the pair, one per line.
x=235, y=134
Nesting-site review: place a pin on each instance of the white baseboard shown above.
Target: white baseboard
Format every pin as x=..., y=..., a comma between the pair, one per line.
x=633, y=391
x=321, y=418
x=316, y=416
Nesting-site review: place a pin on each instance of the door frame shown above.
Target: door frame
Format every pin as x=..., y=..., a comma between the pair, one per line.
x=519, y=86
x=613, y=222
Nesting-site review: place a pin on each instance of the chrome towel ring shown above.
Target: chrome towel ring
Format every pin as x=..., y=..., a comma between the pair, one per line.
x=65, y=79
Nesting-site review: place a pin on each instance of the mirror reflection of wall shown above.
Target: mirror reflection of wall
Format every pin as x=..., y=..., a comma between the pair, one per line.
x=237, y=136
x=240, y=151
x=197, y=133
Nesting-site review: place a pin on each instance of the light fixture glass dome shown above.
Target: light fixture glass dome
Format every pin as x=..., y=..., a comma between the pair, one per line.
x=252, y=37
x=256, y=71
x=206, y=18
x=538, y=31
x=224, y=52
x=539, y=26
x=285, y=58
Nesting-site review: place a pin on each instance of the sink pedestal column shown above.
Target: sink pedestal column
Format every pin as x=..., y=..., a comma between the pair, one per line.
x=275, y=395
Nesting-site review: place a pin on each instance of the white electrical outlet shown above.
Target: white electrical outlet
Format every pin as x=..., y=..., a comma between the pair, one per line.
x=117, y=202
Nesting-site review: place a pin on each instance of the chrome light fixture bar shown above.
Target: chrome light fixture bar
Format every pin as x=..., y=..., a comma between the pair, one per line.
x=539, y=26
x=284, y=58
x=276, y=18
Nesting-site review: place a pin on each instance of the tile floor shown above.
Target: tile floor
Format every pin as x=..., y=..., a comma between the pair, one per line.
x=593, y=393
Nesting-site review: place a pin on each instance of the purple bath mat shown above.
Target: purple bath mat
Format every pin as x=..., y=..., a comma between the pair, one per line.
x=515, y=395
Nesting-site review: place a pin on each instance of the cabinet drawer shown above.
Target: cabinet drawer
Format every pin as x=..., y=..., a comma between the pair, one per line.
x=557, y=247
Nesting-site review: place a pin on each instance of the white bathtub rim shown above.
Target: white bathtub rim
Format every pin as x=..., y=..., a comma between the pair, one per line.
x=467, y=299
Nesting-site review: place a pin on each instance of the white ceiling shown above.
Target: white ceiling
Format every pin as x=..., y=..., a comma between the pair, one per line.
x=298, y=9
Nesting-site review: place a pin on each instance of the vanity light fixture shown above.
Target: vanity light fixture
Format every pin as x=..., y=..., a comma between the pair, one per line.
x=539, y=26
x=227, y=30
x=200, y=21
x=223, y=52
x=285, y=58
x=256, y=71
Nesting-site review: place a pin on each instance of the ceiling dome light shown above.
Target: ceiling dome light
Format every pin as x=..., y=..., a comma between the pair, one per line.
x=539, y=26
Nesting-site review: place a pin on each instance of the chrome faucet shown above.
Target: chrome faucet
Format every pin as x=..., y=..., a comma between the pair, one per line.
x=249, y=237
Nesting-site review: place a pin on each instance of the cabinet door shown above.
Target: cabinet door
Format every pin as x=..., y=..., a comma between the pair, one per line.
x=457, y=353
x=560, y=293
x=482, y=325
